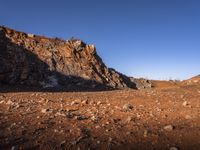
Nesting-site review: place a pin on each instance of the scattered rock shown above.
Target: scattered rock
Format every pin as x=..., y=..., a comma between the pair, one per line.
x=60, y=114
x=2, y=97
x=173, y=148
x=141, y=83
x=127, y=107
x=188, y=117
x=99, y=103
x=129, y=119
x=85, y=101
x=80, y=117
x=97, y=127
x=74, y=103
x=129, y=133
x=110, y=139
x=44, y=110
x=9, y=102
x=95, y=118
x=146, y=133
x=62, y=143
x=185, y=103
x=31, y=35
x=13, y=148
x=169, y=128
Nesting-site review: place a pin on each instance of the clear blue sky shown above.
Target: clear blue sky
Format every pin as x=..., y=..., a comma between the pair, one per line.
x=158, y=39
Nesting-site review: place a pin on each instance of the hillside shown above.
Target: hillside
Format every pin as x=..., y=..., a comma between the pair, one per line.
x=38, y=61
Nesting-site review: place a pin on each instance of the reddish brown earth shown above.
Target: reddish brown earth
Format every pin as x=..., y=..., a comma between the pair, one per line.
x=159, y=118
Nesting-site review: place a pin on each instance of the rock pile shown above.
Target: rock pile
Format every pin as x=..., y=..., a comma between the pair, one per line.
x=141, y=83
x=28, y=59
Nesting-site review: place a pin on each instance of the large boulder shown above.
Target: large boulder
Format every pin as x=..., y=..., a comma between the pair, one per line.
x=31, y=60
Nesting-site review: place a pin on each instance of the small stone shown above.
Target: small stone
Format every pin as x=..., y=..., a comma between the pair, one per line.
x=69, y=115
x=107, y=123
x=108, y=104
x=185, y=103
x=9, y=102
x=74, y=102
x=127, y=107
x=17, y=106
x=45, y=110
x=97, y=127
x=145, y=133
x=85, y=101
x=108, y=130
x=99, y=103
x=173, y=148
x=14, y=124
x=129, y=133
x=129, y=119
x=80, y=117
x=60, y=114
x=168, y=128
x=31, y=35
x=110, y=139
x=95, y=118
x=188, y=117
x=13, y=148
x=62, y=143
x=2, y=97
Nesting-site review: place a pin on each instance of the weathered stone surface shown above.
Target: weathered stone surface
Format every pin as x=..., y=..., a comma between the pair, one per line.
x=141, y=83
x=31, y=60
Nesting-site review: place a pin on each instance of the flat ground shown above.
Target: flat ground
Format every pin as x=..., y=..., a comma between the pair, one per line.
x=160, y=118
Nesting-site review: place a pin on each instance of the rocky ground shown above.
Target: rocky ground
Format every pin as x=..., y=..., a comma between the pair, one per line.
x=164, y=117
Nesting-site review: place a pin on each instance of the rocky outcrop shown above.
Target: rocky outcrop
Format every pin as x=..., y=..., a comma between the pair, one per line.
x=27, y=59
x=141, y=83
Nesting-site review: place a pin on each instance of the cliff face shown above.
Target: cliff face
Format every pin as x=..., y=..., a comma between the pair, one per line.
x=31, y=60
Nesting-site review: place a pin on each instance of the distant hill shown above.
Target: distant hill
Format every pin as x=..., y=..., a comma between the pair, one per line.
x=193, y=80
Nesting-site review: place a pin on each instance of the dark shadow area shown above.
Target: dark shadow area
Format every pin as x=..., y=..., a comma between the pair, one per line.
x=22, y=71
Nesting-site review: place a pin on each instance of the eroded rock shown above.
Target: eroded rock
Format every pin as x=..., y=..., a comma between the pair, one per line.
x=37, y=61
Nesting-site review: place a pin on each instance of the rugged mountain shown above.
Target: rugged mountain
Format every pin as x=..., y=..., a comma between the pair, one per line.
x=37, y=61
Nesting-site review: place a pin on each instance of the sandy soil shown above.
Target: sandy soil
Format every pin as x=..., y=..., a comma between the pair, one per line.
x=160, y=118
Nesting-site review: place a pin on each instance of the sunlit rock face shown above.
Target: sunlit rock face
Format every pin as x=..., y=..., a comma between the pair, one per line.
x=31, y=60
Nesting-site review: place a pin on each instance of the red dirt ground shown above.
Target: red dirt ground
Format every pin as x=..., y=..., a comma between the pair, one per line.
x=164, y=117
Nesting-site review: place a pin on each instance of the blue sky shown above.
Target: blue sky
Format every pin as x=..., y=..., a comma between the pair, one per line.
x=156, y=39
